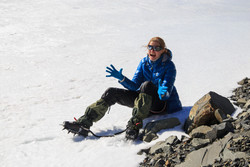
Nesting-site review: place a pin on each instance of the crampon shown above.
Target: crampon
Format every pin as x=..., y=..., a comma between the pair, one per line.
x=76, y=128
x=79, y=129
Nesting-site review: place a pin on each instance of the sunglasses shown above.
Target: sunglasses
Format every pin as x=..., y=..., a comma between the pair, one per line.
x=155, y=48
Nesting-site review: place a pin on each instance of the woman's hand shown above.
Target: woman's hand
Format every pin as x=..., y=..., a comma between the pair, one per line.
x=162, y=90
x=114, y=73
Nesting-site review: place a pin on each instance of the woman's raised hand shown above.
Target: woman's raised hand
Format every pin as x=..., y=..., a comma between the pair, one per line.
x=114, y=73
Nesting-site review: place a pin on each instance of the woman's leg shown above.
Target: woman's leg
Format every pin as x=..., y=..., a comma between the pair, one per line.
x=97, y=110
x=147, y=100
x=150, y=89
x=121, y=96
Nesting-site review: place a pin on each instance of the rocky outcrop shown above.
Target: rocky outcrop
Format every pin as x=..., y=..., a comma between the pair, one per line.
x=241, y=96
x=208, y=110
x=223, y=144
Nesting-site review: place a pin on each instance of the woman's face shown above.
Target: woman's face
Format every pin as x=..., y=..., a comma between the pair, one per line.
x=154, y=55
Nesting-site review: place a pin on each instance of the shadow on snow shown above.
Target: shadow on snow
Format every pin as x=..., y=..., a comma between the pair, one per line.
x=182, y=115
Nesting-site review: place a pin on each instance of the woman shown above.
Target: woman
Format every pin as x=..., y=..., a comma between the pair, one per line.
x=151, y=91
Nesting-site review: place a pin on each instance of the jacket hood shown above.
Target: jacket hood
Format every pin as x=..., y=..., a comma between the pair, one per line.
x=167, y=56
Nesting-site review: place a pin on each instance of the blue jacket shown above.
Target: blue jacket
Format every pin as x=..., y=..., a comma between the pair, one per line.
x=163, y=69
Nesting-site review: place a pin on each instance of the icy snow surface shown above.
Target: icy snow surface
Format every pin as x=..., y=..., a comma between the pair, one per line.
x=53, y=55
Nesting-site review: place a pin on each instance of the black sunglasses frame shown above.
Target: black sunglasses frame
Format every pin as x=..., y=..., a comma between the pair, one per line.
x=155, y=48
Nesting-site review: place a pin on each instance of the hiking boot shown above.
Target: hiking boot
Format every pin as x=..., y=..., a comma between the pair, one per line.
x=131, y=134
x=93, y=113
x=76, y=128
x=134, y=124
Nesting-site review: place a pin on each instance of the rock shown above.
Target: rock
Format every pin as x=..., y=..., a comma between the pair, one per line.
x=200, y=132
x=202, y=113
x=212, y=153
x=222, y=129
x=211, y=135
x=204, y=132
x=199, y=143
x=205, y=156
x=149, y=137
x=184, y=138
x=146, y=151
x=193, y=159
x=229, y=154
x=167, y=149
x=222, y=144
x=245, y=126
x=243, y=115
x=152, y=128
x=243, y=81
x=247, y=105
x=242, y=94
x=167, y=163
x=156, y=147
x=172, y=140
x=238, y=126
x=219, y=115
x=241, y=101
x=237, y=162
x=159, y=163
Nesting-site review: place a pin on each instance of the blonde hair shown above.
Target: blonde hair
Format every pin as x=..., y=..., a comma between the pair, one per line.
x=159, y=41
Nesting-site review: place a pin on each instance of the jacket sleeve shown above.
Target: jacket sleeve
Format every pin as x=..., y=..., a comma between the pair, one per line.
x=137, y=80
x=169, y=79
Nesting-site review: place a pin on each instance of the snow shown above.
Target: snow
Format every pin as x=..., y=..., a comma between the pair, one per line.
x=53, y=55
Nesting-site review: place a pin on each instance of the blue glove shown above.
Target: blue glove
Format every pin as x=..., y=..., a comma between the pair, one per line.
x=114, y=73
x=162, y=90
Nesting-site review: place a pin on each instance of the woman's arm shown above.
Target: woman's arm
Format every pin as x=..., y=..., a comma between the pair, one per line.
x=169, y=79
x=137, y=80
